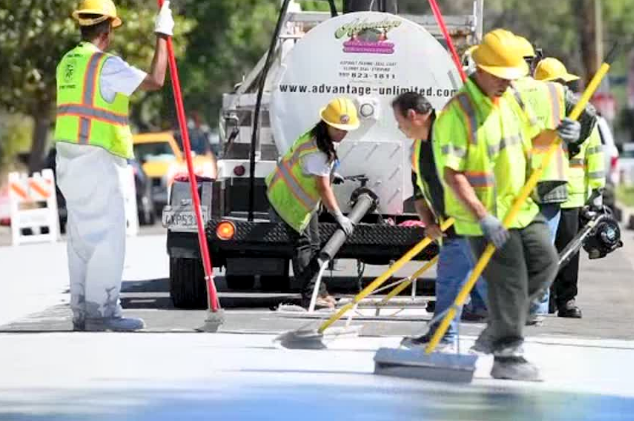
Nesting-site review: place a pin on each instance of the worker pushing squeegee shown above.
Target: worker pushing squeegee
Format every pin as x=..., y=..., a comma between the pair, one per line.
x=484, y=136
x=415, y=117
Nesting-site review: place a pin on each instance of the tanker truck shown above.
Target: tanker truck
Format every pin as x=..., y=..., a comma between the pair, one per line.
x=369, y=56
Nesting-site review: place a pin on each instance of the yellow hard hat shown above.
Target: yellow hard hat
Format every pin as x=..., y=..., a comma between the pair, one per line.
x=341, y=114
x=525, y=47
x=498, y=54
x=553, y=69
x=104, y=8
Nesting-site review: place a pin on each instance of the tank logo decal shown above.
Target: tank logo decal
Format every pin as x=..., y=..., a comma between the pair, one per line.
x=367, y=37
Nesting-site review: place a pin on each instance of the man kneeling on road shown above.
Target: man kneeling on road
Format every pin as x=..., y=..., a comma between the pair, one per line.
x=415, y=117
x=486, y=137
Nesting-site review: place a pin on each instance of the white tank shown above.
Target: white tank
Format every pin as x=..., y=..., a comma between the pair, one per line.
x=369, y=57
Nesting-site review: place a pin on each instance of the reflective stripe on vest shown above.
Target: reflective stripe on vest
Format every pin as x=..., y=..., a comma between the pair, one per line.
x=469, y=112
x=83, y=115
x=92, y=113
x=284, y=171
x=88, y=96
x=480, y=179
x=555, y=105
x=494, y=134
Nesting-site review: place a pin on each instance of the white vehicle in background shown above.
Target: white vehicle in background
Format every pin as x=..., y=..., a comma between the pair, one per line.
x=610, y=151
x=626, y=164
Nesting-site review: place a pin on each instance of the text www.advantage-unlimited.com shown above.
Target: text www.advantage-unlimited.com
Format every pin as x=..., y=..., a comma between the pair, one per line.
x=365, y=90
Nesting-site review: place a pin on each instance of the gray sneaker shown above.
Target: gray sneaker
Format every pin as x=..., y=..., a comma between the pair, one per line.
x=117, y=324
x=514, y=368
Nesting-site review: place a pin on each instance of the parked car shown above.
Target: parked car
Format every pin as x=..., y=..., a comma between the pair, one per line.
x=144, y=200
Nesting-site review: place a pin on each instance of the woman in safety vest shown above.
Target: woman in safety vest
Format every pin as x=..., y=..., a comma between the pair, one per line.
x=302, y=181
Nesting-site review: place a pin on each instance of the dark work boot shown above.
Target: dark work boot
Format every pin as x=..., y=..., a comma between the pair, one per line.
x=569, y=310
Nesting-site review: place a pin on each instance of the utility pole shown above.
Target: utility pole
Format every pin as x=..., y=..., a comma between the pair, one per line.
x=588, y=38
x=598, y=32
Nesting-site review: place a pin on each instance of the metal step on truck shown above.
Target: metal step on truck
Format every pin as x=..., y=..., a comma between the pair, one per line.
x=366, y=55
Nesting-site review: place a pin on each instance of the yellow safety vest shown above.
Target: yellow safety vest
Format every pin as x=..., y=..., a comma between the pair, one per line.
x=84, y=117
x=547, y=100
x=293, y=195
x=490, y=143
x=586, y=172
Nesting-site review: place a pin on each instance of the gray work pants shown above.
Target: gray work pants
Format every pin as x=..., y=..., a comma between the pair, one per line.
x=518, y=272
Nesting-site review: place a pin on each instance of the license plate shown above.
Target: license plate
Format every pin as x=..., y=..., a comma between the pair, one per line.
x=182, y=218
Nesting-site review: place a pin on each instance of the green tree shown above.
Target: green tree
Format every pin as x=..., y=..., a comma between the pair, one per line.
x=34, y=35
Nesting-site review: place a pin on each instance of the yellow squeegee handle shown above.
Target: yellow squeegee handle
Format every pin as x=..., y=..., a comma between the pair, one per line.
x=413, y=252
x=408, y=281
x=517, y=205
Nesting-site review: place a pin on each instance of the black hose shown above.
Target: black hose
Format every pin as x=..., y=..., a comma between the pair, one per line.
x=333, y=8
x=363, y=205
x=258, y=104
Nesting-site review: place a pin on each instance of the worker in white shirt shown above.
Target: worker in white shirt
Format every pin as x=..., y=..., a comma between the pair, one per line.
x=93, y=141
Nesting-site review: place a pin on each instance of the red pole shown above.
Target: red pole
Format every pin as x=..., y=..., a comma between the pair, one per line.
x=212, y=295
x=445, y=32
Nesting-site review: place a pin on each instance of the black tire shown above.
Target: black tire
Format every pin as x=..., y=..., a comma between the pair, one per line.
x=187, y=283
x=240, y=282
x=276, y=283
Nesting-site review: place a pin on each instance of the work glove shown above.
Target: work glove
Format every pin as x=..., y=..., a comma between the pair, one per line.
x=569, y=130
x=494, y=231
x=594, y=205
x=344, y=222
x=337, y=179
x=595, y=202
x=164, y=23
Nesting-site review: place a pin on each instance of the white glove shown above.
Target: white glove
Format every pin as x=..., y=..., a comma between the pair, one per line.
x=344, y=222
x=164, y=23
x=494, y=231
x=569, y=130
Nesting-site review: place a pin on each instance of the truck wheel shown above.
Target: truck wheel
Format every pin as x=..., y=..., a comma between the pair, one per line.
x=280, y=283
x=187, y=283
x=240, y=282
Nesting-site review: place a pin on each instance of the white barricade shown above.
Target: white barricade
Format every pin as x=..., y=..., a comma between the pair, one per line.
x=33, y=203
x=128, y=187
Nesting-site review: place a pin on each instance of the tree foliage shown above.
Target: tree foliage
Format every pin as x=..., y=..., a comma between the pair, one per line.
x=219, y=41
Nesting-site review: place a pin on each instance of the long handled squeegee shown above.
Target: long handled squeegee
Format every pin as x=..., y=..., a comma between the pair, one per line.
x=215, y=314
x=313, y=338
x=456, y=367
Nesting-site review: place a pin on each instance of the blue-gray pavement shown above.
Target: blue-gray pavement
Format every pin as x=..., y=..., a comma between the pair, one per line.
x=245, y=377
x=587, y=364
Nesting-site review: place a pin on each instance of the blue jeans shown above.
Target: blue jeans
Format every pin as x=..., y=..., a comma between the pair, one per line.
x=455, y=263
x=552, y=213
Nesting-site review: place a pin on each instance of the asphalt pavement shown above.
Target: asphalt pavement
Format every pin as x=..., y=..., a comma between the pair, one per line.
x=172, y=372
